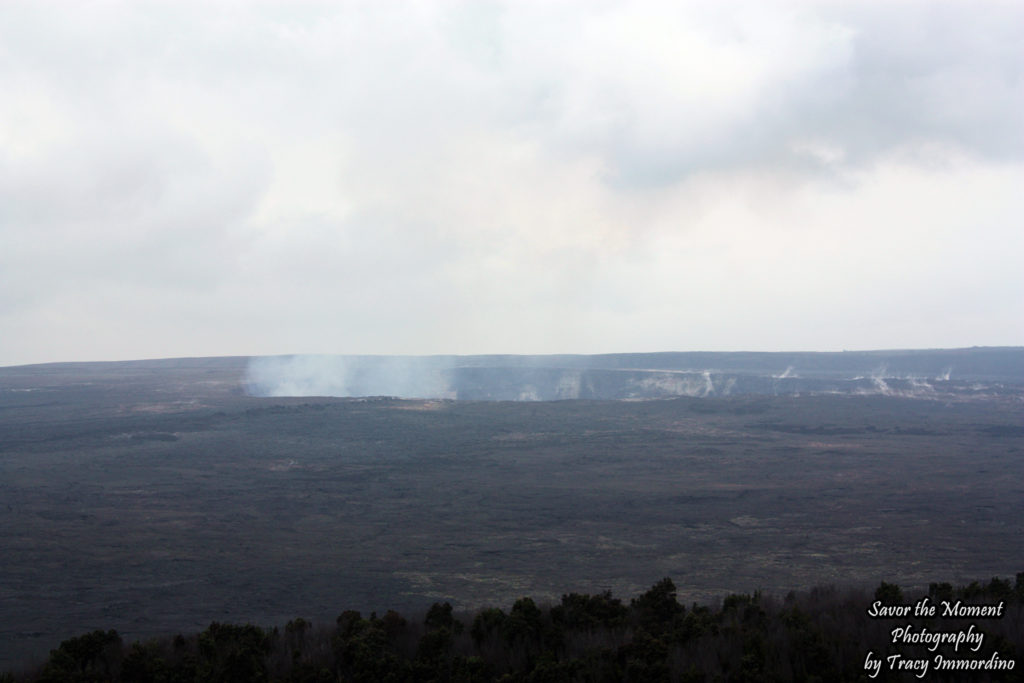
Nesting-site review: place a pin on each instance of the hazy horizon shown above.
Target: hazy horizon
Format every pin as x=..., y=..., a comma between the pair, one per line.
x=184, y=179
x=512, y=354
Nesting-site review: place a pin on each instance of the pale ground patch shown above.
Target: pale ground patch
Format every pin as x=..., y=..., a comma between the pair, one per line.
x=421, y=405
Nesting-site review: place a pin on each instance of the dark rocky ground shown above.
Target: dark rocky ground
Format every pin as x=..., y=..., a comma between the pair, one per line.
x=156, y=497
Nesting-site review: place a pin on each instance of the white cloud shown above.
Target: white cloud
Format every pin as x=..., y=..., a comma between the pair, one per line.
x=203, y=179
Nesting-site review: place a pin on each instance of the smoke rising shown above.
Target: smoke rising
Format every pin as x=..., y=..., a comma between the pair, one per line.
x=399, y=376
x=921, y=374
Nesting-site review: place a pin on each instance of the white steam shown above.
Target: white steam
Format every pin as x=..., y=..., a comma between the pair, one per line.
x=552, y=378
x=789, y=372
x=403, y=377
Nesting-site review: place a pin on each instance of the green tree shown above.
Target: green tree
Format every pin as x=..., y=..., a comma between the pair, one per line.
x=657, y=610
x=233, y=654
x=144, y=664
x=889, y=593
x=487, y=624
x=91, y=657
x=589, y=612
x=363, y=653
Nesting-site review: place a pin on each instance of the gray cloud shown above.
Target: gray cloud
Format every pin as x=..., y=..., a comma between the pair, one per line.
x=802, y=86
x=200, y=179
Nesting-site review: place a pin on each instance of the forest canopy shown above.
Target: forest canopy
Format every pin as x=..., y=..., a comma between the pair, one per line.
x=825, y=634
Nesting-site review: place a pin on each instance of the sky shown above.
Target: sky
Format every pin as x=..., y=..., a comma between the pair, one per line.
x=247, y=178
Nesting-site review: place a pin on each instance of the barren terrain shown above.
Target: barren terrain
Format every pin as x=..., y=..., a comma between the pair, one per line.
x=157, y=497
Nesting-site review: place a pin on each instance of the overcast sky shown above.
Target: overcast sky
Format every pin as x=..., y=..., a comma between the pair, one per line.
x=229, y=178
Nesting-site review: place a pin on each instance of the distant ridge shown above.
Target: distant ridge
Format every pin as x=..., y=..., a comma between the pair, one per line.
x=969, y=373
x=919, y=373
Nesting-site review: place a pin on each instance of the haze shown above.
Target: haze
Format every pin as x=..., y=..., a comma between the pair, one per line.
x=201, y=179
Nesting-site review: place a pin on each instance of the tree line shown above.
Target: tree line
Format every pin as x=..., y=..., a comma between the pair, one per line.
x=820, y=635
